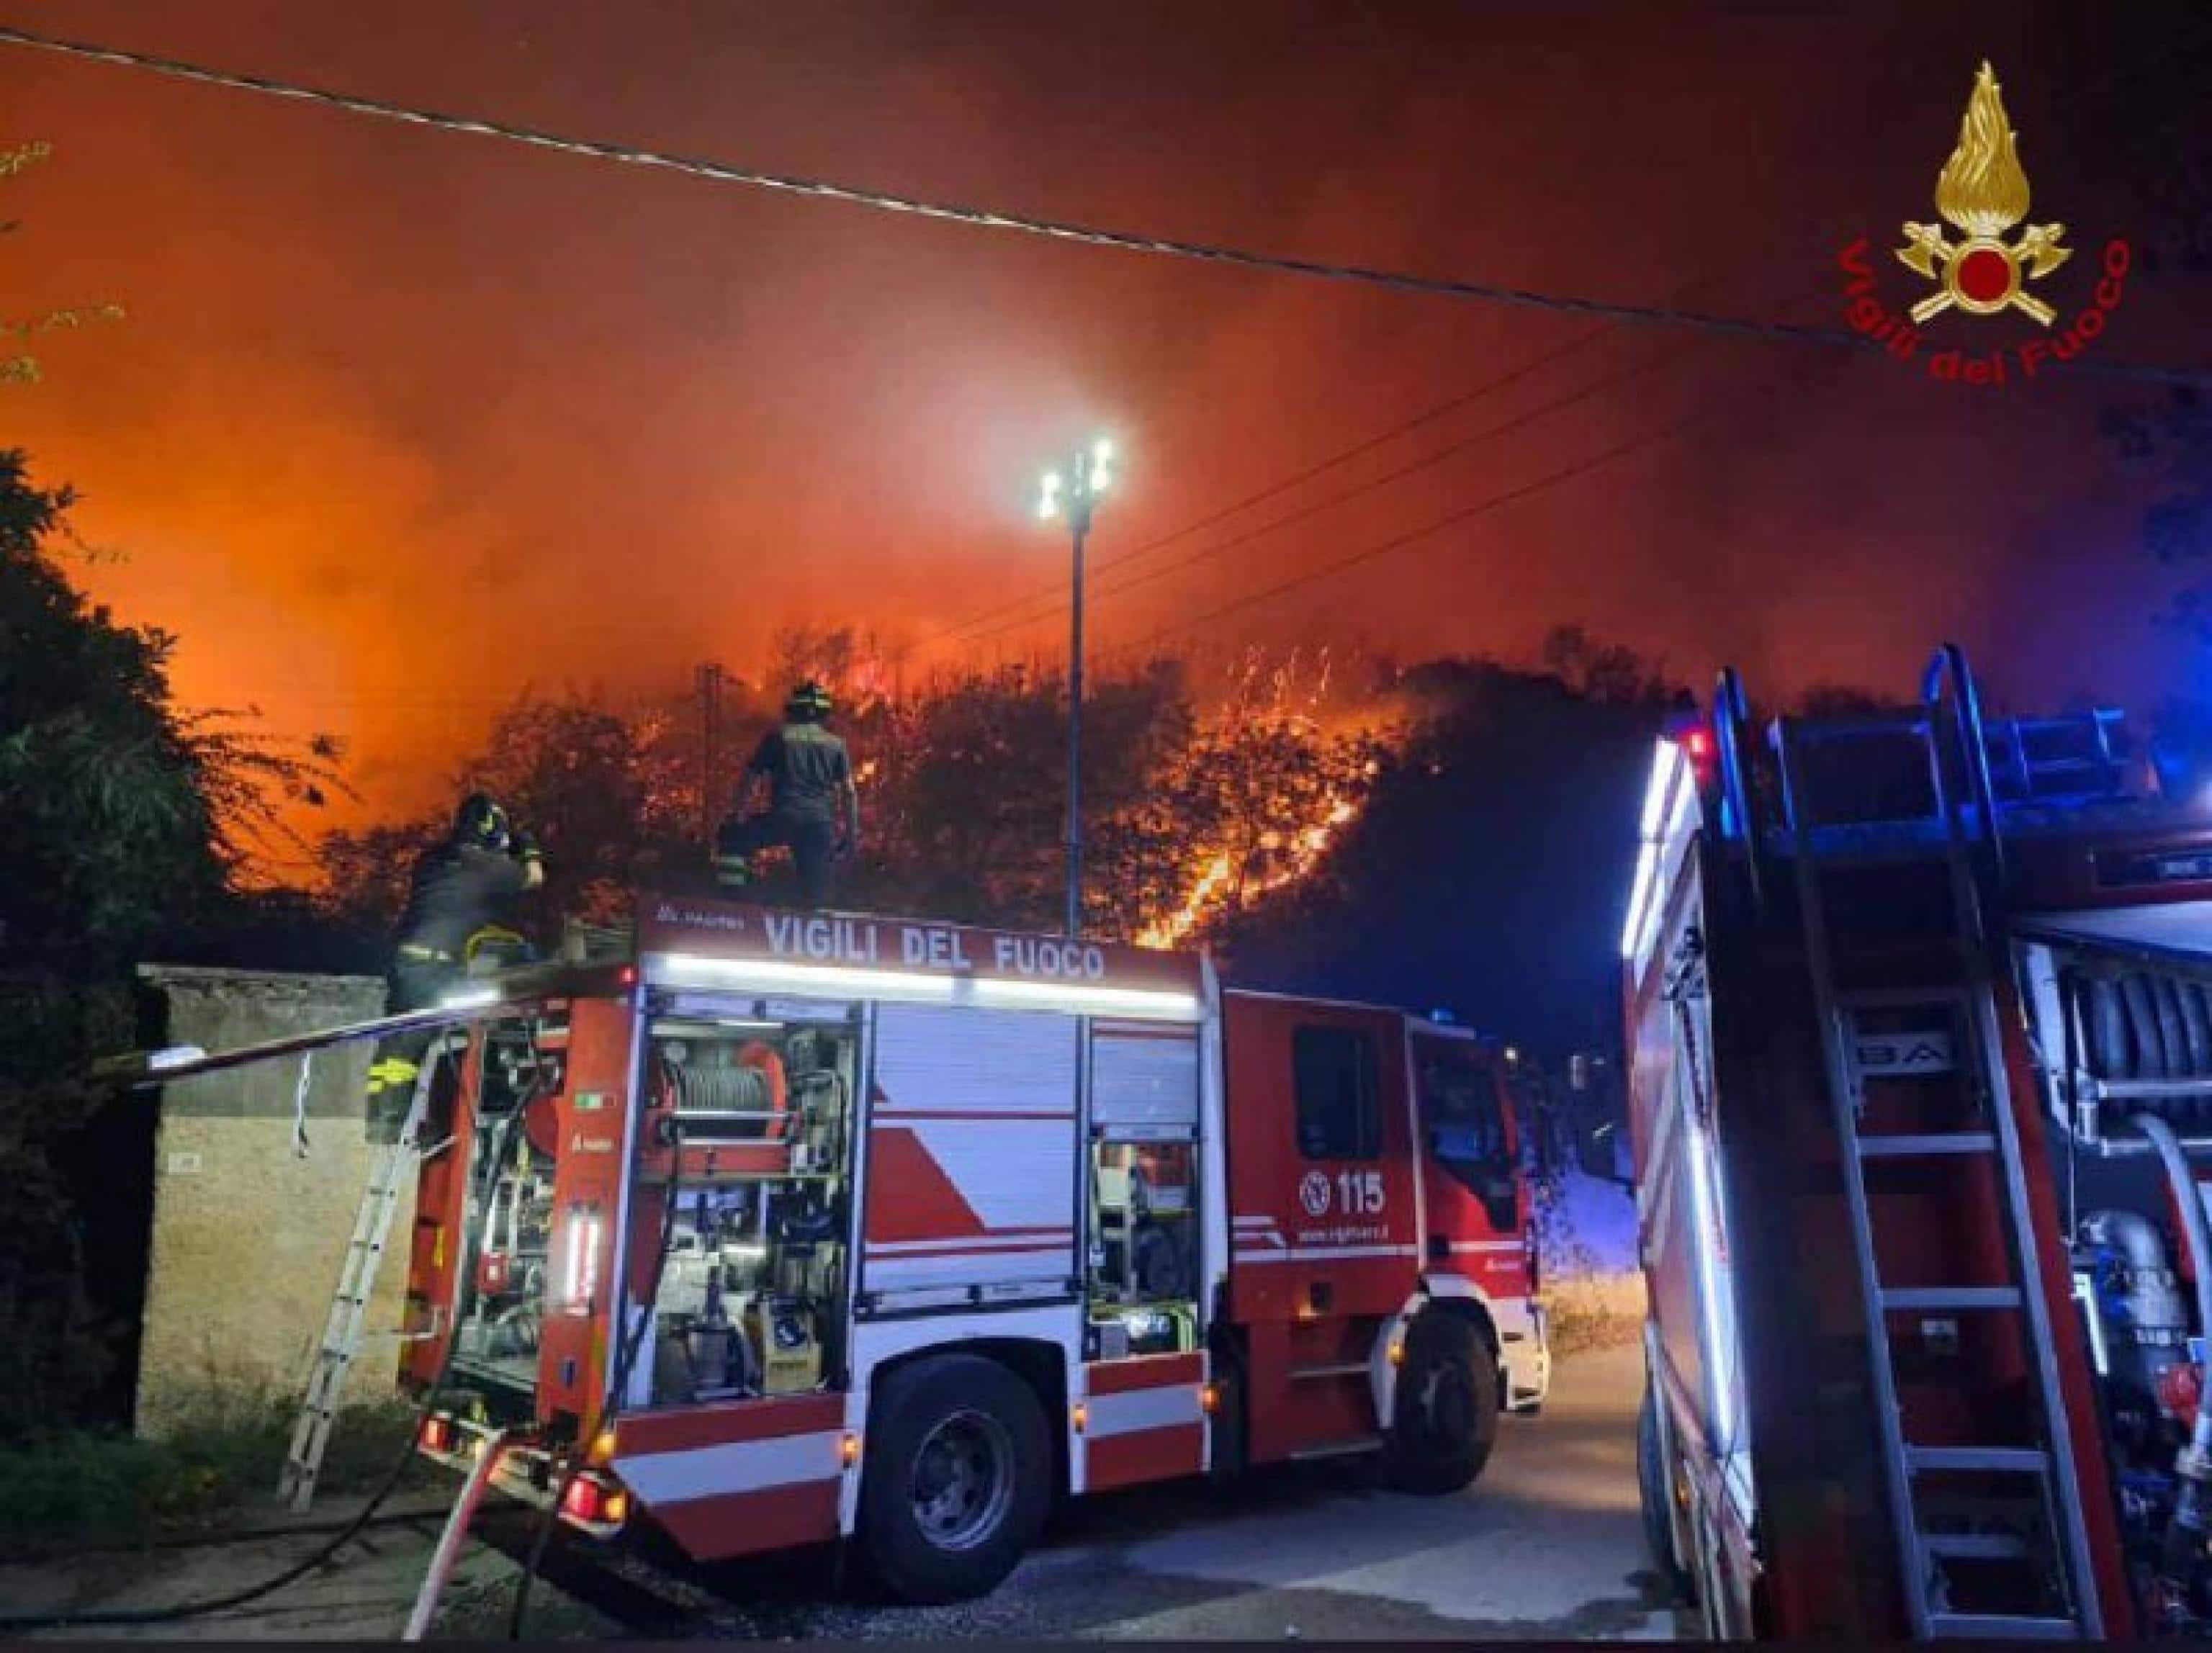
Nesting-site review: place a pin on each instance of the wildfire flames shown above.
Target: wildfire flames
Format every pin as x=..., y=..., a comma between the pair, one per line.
x=1284, y=859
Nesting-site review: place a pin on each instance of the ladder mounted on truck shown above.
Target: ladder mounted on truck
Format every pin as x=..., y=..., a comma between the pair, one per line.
x=1903, y=815
x=345, y=1328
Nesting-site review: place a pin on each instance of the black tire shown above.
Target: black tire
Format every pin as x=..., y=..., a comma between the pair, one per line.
x=958, y=1479
x=1656, y=1491
x=1445, y=1421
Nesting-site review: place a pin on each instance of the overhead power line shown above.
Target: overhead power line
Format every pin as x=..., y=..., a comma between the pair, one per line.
x=1055, y=597
x=1399, y=542
x=1052, y=229
x=1428, y=460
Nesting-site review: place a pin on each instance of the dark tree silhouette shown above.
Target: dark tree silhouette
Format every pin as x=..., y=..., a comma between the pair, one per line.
x=1488, y=872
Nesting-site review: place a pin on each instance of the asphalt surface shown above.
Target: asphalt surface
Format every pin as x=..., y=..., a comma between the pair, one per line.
x=1548, y=1544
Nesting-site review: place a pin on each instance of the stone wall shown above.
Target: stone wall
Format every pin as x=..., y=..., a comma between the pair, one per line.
x=248, y=1236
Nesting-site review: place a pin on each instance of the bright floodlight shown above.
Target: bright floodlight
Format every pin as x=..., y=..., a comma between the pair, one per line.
x=1048, y=502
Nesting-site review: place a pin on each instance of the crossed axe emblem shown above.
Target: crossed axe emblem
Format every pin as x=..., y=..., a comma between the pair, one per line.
x=1971, y=274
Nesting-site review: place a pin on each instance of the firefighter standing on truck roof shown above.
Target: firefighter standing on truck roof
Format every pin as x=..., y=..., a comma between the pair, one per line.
x=463, y=891
x=814, y=809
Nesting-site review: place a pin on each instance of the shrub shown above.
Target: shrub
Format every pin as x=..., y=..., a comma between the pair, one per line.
x=107, y=1490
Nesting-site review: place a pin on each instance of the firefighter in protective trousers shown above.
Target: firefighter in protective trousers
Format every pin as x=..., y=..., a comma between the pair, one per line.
x=459, y=901
x=814, y=809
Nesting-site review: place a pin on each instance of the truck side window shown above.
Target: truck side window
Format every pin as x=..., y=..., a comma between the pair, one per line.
x=1333, y=1073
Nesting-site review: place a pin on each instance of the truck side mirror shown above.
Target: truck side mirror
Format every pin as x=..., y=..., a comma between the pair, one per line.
x=1597, y=1154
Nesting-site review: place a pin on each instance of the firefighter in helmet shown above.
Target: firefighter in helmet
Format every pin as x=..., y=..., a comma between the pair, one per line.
x=460, y=901
x=813, y=809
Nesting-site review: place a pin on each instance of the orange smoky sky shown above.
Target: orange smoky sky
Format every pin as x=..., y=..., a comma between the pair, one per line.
x=402, y=421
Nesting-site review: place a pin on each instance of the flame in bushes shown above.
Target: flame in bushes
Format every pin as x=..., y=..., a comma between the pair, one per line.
x=1283, y=860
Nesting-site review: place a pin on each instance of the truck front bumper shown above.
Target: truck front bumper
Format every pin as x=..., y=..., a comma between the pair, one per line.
x=1525, y=1355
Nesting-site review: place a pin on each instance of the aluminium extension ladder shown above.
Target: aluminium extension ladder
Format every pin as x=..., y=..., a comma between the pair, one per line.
x=2061, y=1604
x=343, y=1331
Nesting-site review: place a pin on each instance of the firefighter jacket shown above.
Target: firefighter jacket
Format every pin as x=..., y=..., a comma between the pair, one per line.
x=806, y=766
x=457, y=888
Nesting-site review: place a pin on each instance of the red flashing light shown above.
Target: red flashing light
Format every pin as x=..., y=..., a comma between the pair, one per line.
x=1697, y=744
x=436, y=1435
x=627, y=975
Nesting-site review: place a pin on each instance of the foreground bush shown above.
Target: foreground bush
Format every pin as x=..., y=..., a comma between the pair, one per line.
x=217, y=1468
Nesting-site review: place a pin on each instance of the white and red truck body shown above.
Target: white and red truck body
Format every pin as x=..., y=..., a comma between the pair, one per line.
x=1198, y=1226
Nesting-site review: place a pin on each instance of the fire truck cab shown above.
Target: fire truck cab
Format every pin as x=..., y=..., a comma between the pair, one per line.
x=776, y=1228
x=1919, y=1009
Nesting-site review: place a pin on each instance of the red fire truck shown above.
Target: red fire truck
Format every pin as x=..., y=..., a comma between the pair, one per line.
x=1920, y=1011
x=779, y=1228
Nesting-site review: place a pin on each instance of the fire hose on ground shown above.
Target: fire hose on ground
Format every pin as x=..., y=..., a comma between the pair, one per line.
x=118, y=1618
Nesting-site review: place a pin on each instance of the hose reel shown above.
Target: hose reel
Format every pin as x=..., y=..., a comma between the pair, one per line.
x=740, y=1100
x=2147, y=1035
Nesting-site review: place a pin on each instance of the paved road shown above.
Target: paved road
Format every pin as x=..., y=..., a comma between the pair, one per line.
x=1548, y=1544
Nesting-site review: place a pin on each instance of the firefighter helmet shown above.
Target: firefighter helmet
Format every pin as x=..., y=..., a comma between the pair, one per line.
x=480, y=820
x=808, y=704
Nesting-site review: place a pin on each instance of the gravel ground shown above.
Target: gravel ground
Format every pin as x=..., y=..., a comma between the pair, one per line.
x=1546, y=1545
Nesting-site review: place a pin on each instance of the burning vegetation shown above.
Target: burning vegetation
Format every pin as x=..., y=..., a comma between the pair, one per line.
x=1208, y=789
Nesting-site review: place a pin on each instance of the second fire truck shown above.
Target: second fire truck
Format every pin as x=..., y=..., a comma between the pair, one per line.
x=779, y=1229
x=1920, y=1010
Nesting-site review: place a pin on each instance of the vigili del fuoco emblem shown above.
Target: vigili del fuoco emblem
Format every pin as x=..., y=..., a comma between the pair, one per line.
x=1982, y=191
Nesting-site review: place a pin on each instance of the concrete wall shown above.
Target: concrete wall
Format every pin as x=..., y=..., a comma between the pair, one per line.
x=248, y=1237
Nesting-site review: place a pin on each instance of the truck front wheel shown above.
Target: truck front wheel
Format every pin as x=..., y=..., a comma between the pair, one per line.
x=1444, y=1420
x=957, y=1481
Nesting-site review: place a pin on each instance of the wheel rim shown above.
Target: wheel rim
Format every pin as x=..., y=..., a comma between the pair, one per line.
x=962, y=1480
x=1447, y=1402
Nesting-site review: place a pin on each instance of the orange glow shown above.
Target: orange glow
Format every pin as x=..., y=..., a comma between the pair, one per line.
x=401, y=422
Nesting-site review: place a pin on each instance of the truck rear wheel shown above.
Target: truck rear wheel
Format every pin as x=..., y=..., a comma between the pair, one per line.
x=1445, y=1418
x=1654, y=1486
x=957, y=1480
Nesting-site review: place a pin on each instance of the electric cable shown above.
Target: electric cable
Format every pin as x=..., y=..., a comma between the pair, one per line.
x=1048, y=229
x=1428, y=416
x=1053, y=595
x=1425, y=461
x=15, y=1624
x=1451, y=519
x=610, y=1402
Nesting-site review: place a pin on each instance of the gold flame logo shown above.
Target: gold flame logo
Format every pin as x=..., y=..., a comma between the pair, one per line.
x=1982, y=191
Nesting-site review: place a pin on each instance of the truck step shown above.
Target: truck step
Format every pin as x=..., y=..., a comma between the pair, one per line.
x=1921, y=1147
x=2001, y=1627
x=1341, y=1369
x=1974, y=1546
x=2004, y=1460
x=1338, y=1449
x=1950, y=1297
